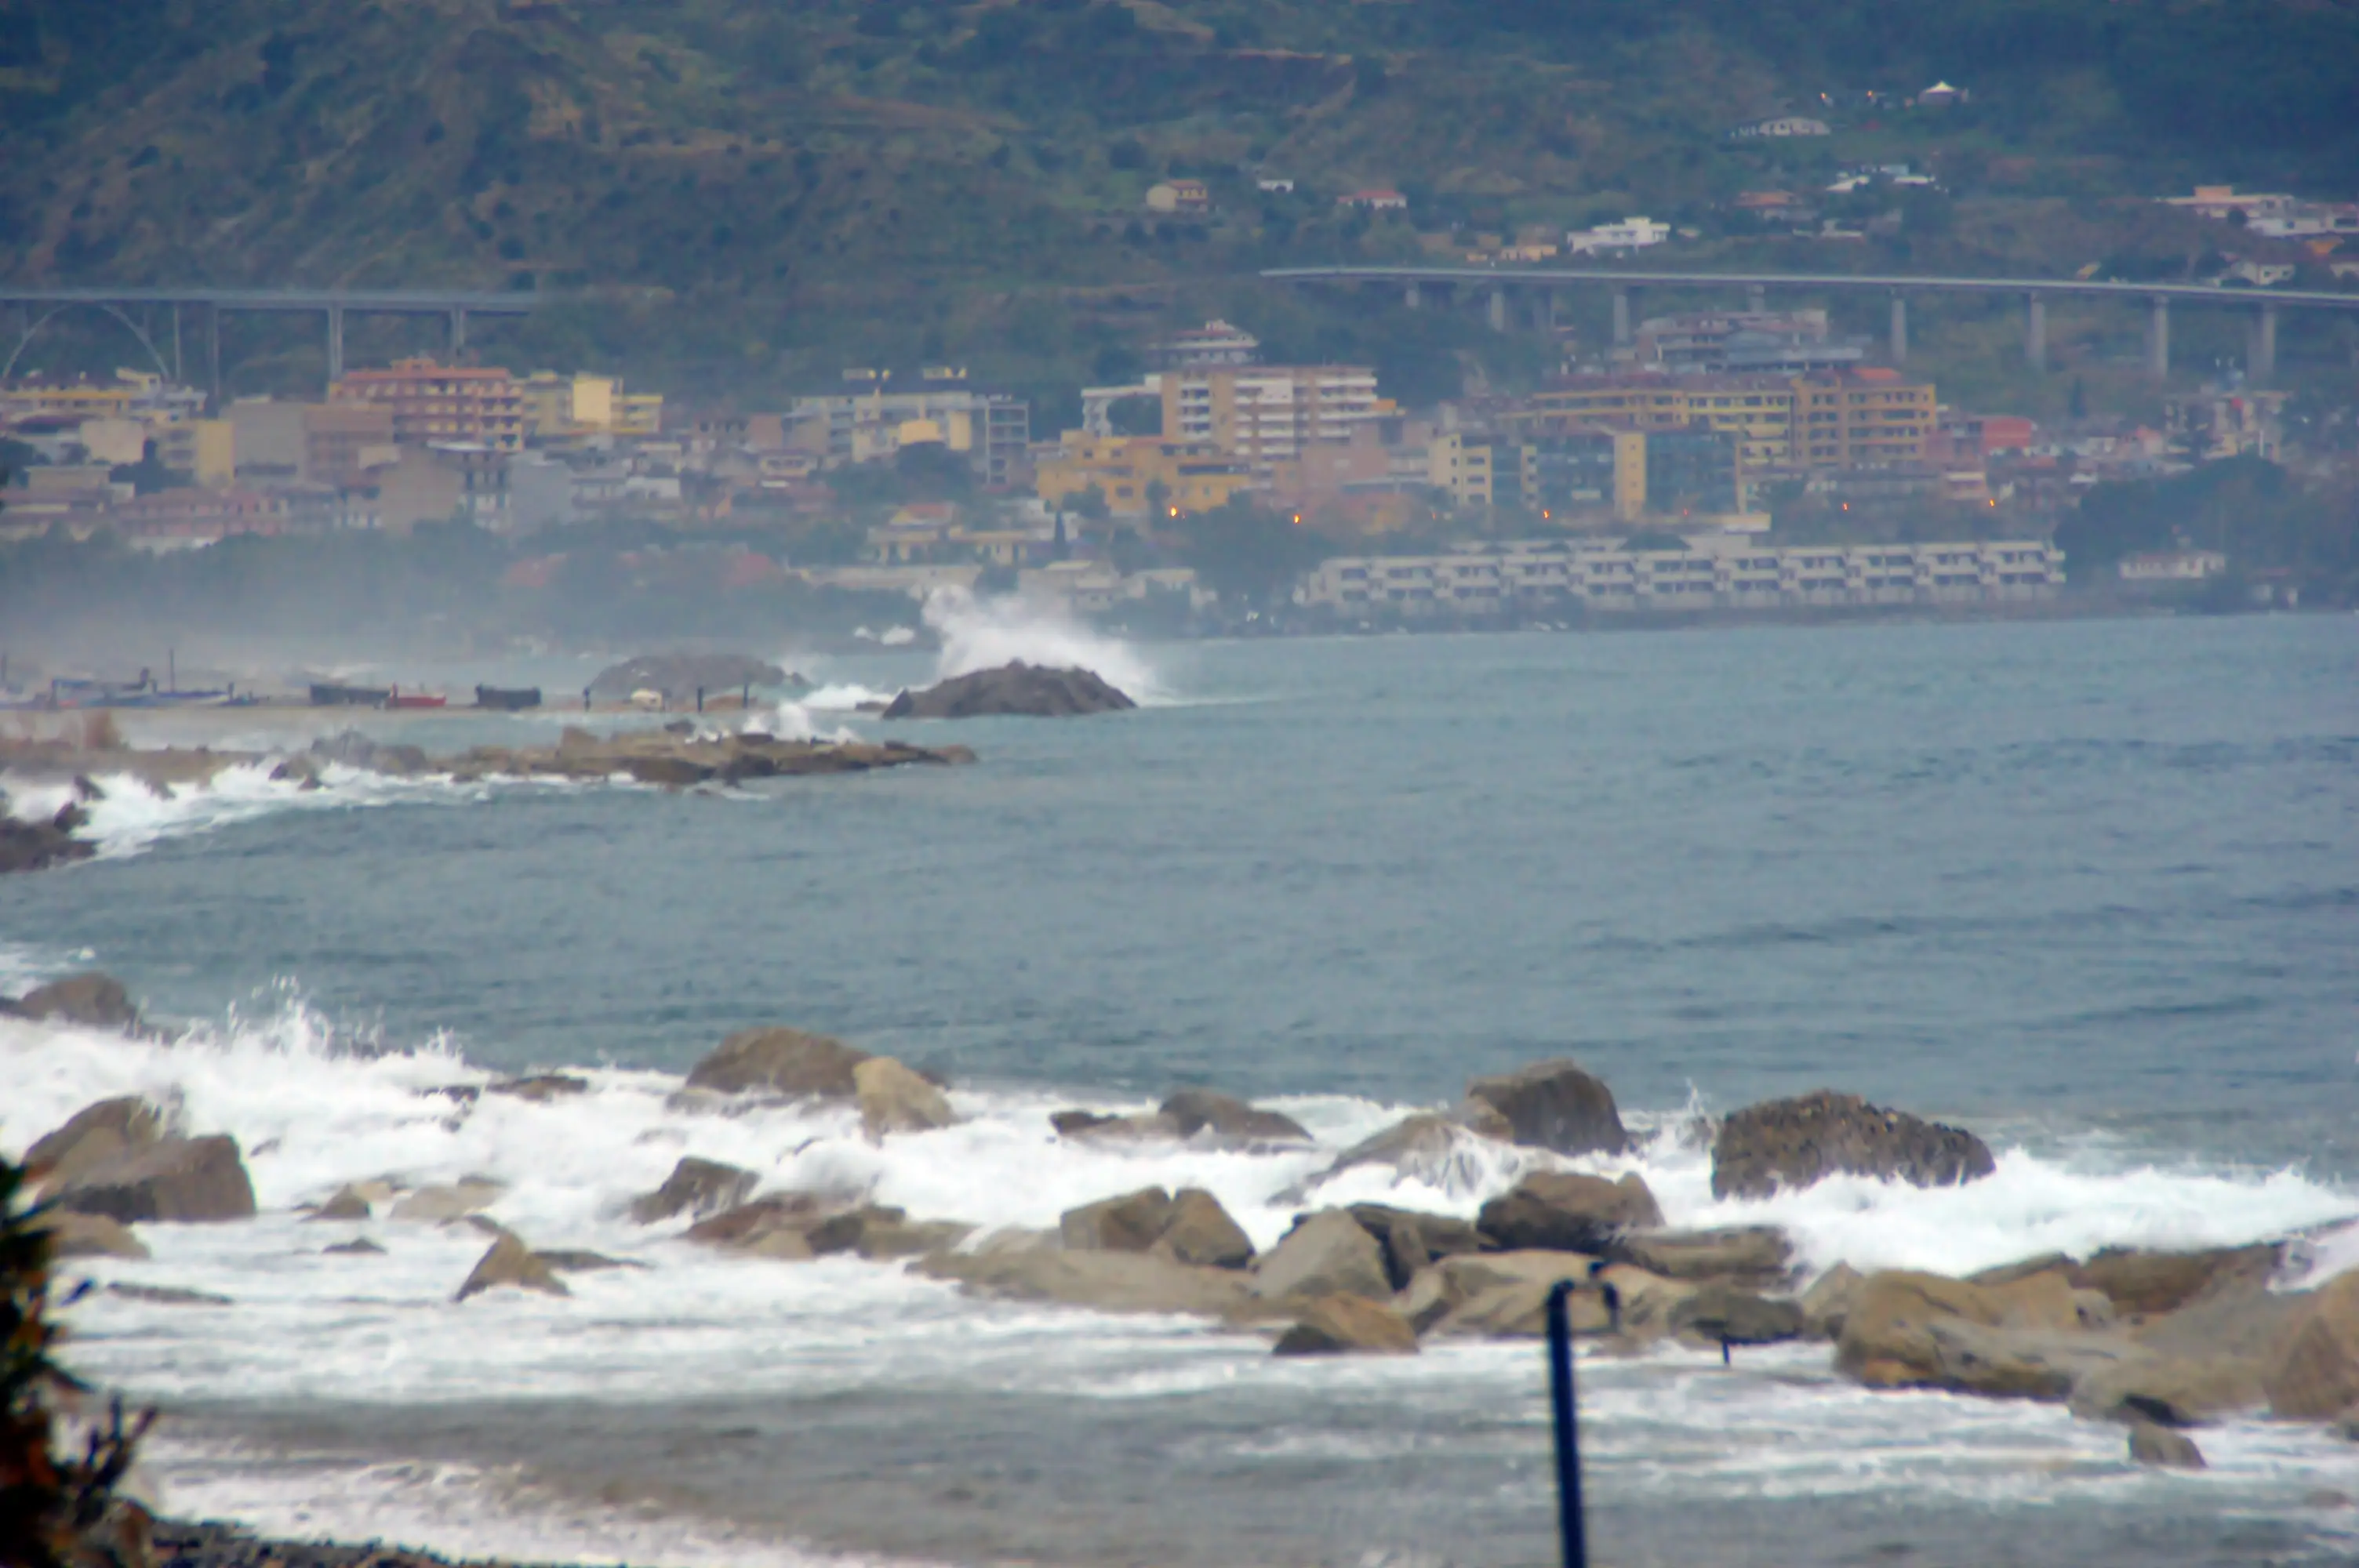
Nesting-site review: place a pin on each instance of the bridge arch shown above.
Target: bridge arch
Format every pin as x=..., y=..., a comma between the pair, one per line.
x=130, y=325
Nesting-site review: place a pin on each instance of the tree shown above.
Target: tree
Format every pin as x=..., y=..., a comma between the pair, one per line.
x=54, y=1509
x=1247, y=555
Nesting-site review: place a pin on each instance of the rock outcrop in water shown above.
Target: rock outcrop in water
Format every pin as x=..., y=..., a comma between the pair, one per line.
x=679, y=676
x=1556, y=1105
x=1790, y=1143
x=696, y=1188
x=1191, y=1227
x=1033, y=690
x=44, y=842
x=1562, y=1211
x=660, y=757
x=183, y=1179
x=795, y=1065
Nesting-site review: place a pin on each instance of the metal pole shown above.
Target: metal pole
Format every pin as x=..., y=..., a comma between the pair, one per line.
x=2035, y=338
x=1570, y=1520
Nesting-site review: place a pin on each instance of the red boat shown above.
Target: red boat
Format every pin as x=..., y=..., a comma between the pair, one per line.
x=399, y=699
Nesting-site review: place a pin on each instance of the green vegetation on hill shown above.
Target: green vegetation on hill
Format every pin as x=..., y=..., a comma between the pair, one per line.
x=757, y=194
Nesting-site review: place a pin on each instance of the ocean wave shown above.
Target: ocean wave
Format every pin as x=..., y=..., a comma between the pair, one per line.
x=131, y=815
x=981, y=633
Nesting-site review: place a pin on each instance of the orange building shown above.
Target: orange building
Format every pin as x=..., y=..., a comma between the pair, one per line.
x=432, y=401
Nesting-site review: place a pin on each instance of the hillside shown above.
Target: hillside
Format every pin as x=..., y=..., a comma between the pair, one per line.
x=759, y=193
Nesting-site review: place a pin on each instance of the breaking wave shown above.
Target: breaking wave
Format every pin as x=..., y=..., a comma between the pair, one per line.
x=979, y=634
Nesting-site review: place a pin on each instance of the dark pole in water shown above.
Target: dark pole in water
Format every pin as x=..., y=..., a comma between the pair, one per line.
x=700, y=699
x=1568, y=1436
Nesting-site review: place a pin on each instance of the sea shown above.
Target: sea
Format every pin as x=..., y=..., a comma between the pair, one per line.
x=2087, y=887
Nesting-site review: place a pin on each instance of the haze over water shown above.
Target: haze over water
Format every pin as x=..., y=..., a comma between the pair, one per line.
x=2085, y=887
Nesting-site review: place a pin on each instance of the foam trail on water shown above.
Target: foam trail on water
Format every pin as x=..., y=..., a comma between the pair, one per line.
x=131, y=815
x=983, y=633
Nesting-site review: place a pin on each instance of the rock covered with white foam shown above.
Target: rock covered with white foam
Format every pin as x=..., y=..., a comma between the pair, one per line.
x=1014, y=688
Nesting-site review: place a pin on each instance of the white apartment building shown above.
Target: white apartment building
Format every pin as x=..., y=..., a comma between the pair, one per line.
x=1716, y=573
x=1634, y=234
x=1265, y=414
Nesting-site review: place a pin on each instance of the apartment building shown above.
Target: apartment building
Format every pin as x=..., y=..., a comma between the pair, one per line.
x=1686, y=471
x=991, y=430
x=1743, y=343
x=1834, y=419
x=1265, y=415
x=1134, y=471
x=559, y=406
x=342, y=441
x=480, y=405
x=1716, y=573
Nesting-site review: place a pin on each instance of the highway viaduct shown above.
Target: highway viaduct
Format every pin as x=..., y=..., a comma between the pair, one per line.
x=38, y=306
x=1499, y=283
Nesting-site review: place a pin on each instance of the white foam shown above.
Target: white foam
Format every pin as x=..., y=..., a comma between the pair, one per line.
x=980, y=633
x=131, y=815
x=844, y=696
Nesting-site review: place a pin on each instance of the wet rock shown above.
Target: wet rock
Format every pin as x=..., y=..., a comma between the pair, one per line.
x=1202, y=1110
x=696, y=1188
x=175, y=1179
x=1107, y=1282
x=1326, y=1254
x=93, y=999
x=1336, y=1326
x=576, y=1260
x=542, y=1087
x=2317, y=1376
x=1131, y=1223
x=783, y=1061
x=351, y=749
x=90, y=1236
x=441, y=1203
x=358, y=1247
x=1201, y=1233
x=1014, y=688
x=166, y=1295
x=1095, y=1125
x=1756, y=1255
x=1725, y=1314
x=778, y=1225
x=2160, y=1446
x=94, y=1135
x=2142, y=1282
x=301, y=772
x=1827, y=1302
x=882, y=1239
x=1425, y=1148
x=513, y=1265
x=1565, y=1212
x=36, y=846
x=2172, y=1391
x=1505, y=1294
x=2027, y=1339
x=894, y=1099
x=1791, y=1143
x=1556, y=1105
x=346, y=1203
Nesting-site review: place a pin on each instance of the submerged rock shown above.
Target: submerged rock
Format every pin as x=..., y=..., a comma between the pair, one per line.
x=440, y=1204
x=2160, y=1446
x=1790, y=1143
x=1014, y=688
x=1555, y=1106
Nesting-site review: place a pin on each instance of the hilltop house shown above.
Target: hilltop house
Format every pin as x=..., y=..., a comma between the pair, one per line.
x=1180, y=196
x=1375, y=199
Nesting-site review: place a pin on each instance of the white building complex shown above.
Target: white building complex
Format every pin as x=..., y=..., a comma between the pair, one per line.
x=1712, y=574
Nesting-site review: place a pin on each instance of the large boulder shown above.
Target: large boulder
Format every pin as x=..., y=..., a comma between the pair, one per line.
x=1192, y=1112
x=695, y=1187
x=1505, y=1294
x=178, y=1179
x=1335, y=1326
x=1098, y=1126
x=1790, y=1143
x=1013, y=689
x=94, y=1135
x=779, y=1226
x=511, y=1264
x=2173, y=1390
x=95, y=1000
x=2142, y=1283
x=1555, y=1105
x=1758, y=1256
x=1326, y=1254
x=783, y=1061
x=893, y=1098
x=2030, y=1339
x=2317, y=1376
x=1409, y=1239
x=1565, y=1212
x=1201, y=1232
x=1131, y=1223
x=38, y=844
x=1431, y=1150
x=1827, y=1304
x=1107, y=1282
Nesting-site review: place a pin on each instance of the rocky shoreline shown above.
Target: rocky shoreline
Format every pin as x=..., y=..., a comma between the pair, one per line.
x=181, y=1543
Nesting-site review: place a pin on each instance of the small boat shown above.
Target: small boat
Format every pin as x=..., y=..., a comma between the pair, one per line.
x=508, y=698
x=397, y=697
x=326, y=693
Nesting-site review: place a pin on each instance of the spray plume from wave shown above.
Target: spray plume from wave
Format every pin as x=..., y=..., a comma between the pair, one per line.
x=983, y=633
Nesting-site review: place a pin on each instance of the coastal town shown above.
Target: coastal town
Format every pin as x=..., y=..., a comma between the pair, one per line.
x=1751, y=459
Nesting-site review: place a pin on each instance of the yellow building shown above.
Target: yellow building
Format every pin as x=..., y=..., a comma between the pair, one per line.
x=205, y=449
x=1848, y=419
x=1194, y=476
x=79, y=399
x=1267, y=414
x=556, y=406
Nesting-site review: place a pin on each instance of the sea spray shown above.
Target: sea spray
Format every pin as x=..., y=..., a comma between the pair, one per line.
x=980, y=633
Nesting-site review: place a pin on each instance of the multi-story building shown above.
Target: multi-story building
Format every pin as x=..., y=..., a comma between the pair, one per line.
x=1217, y=344
x=1132, y=472
x=556, y=406
x=430, y=401
x=1744, y=342
x=1265, y=414
x=1829, y=419
x=1590, y=474
x=204, y=450
x=1714, y=572
x=342, y=441
x=991, y=430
